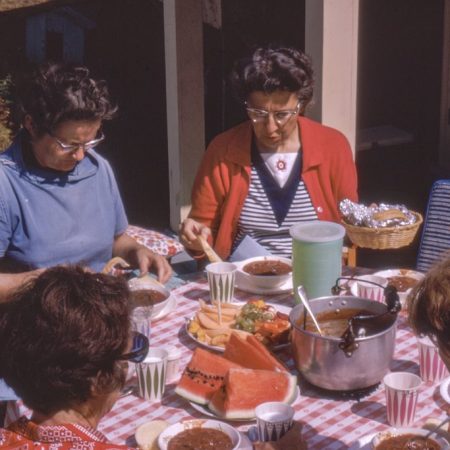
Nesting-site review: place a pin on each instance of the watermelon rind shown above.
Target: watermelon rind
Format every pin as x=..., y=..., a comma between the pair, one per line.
x=188, y=395
x=290, y=397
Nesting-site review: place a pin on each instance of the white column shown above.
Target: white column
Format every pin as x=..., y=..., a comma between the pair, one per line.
x=183, y=37
x=331, y=39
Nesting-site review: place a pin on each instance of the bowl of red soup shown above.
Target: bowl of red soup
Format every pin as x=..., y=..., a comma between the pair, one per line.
x=201, y=435
x=408, y=438
x=264, y=272
x=402, y=279
x=147, y=292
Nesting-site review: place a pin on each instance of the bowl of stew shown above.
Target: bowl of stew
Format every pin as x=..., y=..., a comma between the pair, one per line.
x=264, y=272
x=200, y=435
x=403, y=280
x=394, y=439
x=147, y=292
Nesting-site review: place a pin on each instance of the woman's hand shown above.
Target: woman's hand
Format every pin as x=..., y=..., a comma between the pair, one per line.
x=139, y=256
x=190, y=229
x=292, y=440
x=147, y=260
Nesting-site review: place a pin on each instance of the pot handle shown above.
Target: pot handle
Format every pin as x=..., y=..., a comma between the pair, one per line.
x=348, y=343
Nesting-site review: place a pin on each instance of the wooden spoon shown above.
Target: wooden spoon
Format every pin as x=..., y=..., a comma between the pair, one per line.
x=210, y=253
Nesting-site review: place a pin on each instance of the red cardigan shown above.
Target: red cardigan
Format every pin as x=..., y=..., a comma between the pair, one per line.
x=222, y=181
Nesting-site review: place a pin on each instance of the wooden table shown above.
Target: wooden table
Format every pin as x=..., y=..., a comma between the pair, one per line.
x=330, y=421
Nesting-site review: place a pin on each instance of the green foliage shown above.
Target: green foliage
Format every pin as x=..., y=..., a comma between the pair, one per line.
x=5, y=103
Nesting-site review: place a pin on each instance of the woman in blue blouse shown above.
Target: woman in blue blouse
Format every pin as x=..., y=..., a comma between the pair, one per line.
x=59, y=200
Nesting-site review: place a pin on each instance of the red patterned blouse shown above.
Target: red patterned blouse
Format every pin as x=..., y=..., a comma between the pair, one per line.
x=26, y=435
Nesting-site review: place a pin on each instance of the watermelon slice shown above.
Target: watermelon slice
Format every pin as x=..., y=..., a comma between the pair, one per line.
x=245, y=389
x=204, y=375
x=250, y=353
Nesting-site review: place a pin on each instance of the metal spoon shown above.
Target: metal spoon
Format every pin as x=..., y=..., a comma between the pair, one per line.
x=304, y=299
x=419, y=439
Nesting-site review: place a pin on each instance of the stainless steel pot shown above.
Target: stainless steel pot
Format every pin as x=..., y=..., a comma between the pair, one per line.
x=321, y=360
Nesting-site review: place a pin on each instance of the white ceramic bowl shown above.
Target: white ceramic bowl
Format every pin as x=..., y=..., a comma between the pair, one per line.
x=380, y=437
x=173, y=430
x=261, y=281
x=401, y=272
x=144, y=283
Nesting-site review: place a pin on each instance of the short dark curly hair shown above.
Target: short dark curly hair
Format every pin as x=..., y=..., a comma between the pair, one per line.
x=52, y=93
x=270, y=69
x=62, y=336
x=429, y=304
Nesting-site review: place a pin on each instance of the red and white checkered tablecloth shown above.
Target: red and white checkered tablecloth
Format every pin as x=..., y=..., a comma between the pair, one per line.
x=332, y=424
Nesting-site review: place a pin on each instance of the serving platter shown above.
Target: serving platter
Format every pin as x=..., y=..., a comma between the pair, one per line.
x=280, y=308
x=207, y=412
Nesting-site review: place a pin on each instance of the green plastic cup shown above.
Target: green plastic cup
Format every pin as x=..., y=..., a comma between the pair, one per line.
x=316, y=256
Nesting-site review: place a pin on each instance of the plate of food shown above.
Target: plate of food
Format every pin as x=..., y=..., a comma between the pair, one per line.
x=269, y=323
x=403, y=279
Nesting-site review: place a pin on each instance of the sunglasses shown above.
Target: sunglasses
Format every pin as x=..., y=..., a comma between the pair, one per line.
x=139, y=349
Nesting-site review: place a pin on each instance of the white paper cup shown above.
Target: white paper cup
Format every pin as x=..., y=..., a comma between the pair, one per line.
x=173, y=364
x=366, y=289
x=221, y=278
x=273, y=420
x=432, y=368
x=402, y=389
x=151, y=374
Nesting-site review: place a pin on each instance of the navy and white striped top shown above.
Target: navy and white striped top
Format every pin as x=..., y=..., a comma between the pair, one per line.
x=269, y=211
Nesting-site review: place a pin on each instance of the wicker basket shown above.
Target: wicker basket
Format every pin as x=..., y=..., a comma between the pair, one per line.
x=383, y=238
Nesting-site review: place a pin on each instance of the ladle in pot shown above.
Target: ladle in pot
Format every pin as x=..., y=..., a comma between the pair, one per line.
x=356, y=325
x=304, y=299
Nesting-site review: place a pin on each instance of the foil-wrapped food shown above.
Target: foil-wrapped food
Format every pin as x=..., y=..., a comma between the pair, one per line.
x=376, y=216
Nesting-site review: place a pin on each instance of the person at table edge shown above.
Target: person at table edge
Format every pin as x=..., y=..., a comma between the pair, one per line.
x=59, y=200
x=68, y=363
x=74, y=345
x=277, y=169
x=428, y=307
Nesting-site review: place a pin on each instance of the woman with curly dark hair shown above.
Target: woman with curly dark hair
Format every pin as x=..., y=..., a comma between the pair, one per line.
x=279, y=168
x=65, y=340
x=429, y=307
x=59, y=200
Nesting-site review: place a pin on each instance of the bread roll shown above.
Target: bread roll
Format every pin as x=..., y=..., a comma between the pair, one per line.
x=147, y=434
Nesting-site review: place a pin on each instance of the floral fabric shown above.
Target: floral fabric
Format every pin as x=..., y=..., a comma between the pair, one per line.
x=26, y=435
x=158, y=243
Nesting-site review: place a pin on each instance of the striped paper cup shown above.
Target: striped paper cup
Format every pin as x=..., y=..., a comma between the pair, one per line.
x=432, y=368
x=402, y=390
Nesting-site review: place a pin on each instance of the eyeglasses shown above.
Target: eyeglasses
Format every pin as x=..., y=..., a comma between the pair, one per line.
x=139, y=349
x=73, y=147
x=280, y=117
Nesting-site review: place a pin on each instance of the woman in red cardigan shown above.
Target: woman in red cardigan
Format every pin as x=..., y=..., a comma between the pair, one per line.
x=274, y=170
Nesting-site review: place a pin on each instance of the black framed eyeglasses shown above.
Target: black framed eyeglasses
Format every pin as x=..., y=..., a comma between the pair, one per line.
x=73, y=147
x=281, y=117
x=139, y=348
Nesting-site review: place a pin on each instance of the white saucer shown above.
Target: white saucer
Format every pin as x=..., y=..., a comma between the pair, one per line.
x=363, y=443
x=245, y=444
x=284, y=288
x=444, y=390
x=170, y=307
